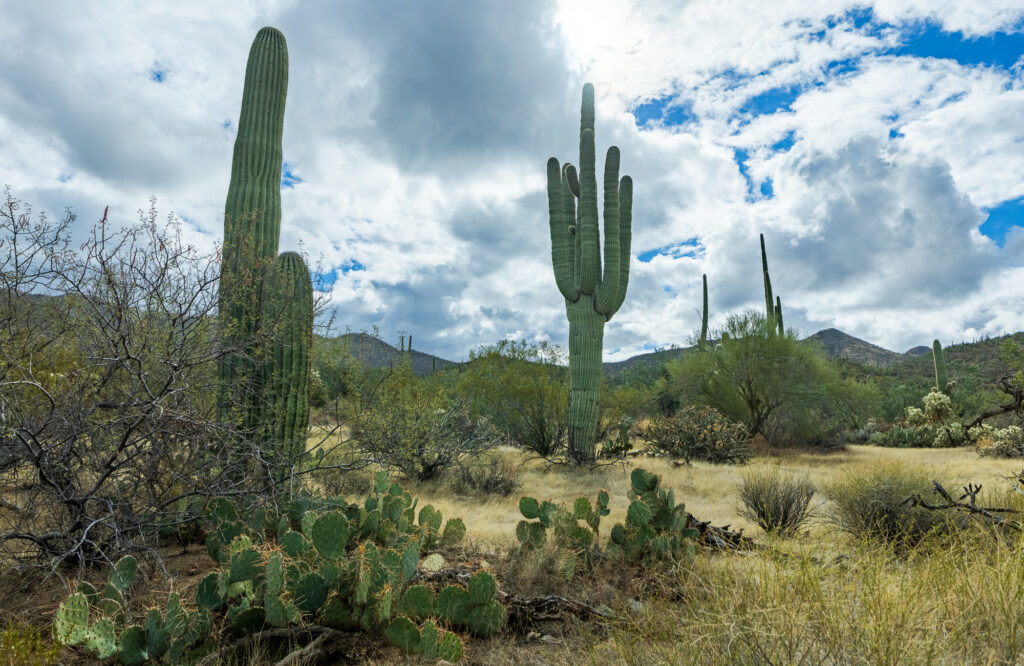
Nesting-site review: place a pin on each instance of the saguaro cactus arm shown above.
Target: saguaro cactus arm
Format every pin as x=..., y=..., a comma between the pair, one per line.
x=778, y=315
x=562, y=217
x=625, y=237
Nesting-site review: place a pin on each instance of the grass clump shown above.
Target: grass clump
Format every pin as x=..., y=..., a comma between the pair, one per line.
x=873, y=504
x=25, y=645
x=778, y=503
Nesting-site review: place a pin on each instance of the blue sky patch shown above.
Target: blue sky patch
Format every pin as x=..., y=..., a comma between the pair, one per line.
x=664, y=111
x=157, y=74
x=65, y=176
x=928, y=40
x=327, y=280
x=770, y=101
x=1002, y=218
x=288, y=178
x=687, y=248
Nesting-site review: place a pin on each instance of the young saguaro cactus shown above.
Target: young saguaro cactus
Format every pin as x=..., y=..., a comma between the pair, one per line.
x=591, y=295
x=252, y=221
x=287, y=305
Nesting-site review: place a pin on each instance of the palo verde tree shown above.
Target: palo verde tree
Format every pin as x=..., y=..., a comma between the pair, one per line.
x=264, y=374
x=591, y=296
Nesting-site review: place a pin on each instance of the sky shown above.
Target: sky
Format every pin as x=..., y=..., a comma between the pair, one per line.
x=878, y=146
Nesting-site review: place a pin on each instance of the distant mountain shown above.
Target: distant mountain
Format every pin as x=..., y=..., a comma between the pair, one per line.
x=373, y=352
x=984, y=355
x=837, y=344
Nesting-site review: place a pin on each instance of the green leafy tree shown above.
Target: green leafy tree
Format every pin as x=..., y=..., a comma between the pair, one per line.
x=521, y=388
x=775, y=384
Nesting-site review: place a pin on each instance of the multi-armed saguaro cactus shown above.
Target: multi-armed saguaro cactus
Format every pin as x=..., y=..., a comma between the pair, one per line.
x=252, y=226
x=591, y=297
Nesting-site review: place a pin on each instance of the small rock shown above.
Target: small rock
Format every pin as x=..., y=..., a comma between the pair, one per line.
x=550, y=640
x=636, y=607
x=433, y=562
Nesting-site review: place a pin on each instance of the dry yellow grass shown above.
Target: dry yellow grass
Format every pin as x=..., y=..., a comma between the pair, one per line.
x=709, y=491
x=820, y=598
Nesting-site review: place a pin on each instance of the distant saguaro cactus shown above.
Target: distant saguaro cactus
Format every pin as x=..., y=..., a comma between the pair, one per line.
x=703, y=343
x=941, y=380
x=591, y=296
x=778, y=315
x=769, y=302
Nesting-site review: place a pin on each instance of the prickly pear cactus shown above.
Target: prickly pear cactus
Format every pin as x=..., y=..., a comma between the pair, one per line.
x=655, y=527
x=169, y=634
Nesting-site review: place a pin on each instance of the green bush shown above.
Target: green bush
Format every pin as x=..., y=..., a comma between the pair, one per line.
x=522, y=390
x=778, y=503
x=25, y=645
x=873, y=505
x=700, y=433
x=412, y=427
x=904, y=437
x=778, y=386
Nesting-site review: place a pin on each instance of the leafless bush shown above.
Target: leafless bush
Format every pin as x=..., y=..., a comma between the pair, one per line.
x=108, y=423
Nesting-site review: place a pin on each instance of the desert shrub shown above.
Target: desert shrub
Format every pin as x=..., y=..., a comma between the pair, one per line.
x=412, y=427
x=777, y=385
x=700, y=433
x=522, y=390
x=25, y=645
x=778, y=503
x=904, y=437
x=998, y=442
x=873, y=504
x=490, y=474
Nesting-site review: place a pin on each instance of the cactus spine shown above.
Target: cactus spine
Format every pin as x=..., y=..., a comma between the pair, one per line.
x=704, y=317
x=591, y=297
x=255, y=332
x=288, y=301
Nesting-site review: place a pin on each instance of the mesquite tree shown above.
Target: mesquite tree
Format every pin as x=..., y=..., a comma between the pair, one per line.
x=591, y=296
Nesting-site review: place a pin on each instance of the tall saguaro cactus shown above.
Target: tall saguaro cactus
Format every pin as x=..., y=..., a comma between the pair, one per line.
x=252, y=221
x=266, y=304
x=591, y=295
x=703, y=343
x=768, y=300
x=287, y=301
x=941, y=379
